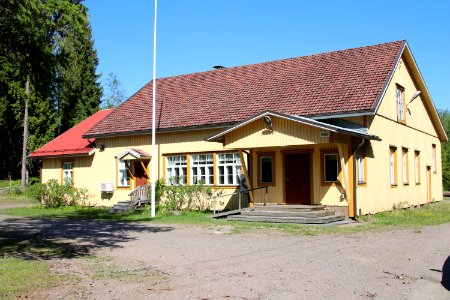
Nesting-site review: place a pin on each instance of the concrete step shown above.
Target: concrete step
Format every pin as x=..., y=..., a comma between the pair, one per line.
x=297, y=220
x=121, y=206
x=288, y=213
x=289, y=207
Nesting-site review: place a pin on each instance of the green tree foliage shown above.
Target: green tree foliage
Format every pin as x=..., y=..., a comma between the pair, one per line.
x=49, y=42
x=445, y=119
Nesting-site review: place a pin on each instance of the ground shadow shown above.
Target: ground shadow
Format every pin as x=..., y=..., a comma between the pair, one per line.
x=36, y=238
x=446, y=274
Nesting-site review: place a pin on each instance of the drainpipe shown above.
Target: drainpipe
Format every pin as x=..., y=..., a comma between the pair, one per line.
x=355, y=209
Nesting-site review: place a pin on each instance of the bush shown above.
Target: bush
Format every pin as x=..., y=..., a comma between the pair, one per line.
x=177, y=198
x=53, y=195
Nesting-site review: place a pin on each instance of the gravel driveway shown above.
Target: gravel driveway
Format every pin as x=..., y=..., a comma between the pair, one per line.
x=148, y=261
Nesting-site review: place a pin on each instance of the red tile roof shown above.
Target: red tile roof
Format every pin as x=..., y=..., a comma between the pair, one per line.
x=337, y=82
x=71, y=143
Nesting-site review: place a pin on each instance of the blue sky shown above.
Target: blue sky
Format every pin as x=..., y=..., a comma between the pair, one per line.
x=195, y=35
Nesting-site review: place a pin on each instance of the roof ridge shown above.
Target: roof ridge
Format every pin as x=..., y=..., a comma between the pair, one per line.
x=270, y=62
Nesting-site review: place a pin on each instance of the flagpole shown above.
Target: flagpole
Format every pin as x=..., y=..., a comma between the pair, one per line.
x=153, y=176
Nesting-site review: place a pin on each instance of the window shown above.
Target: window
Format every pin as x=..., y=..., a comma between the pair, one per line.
x=361, y=165
x=393, y=165
x=405, y=166
x=266, y=169
x=176, y=169
x=68, y=173
x=123, y=176
x=417, y=166
x=400, y=104
x=331, y=167
x=202, y=169
x=433, y=158
x=228, y=168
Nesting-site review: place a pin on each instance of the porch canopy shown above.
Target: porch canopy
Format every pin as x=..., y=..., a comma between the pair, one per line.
x=133, y=154
x=137, y=155
x=273, y=129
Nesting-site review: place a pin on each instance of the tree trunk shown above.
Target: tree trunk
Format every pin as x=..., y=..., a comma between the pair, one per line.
x=25, y=136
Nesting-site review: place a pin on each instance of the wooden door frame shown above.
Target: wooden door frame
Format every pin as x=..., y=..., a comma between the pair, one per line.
x=311, y=170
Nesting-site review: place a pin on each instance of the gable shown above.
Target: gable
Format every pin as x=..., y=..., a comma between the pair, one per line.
x=273, y=129
x=420, y=113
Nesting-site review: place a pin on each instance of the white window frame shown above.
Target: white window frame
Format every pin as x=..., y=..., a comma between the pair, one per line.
x=123, y=176
x=202, y=168
x=400, y=104
x=176, y=169
x=405, y=166
x=361, y=168
x=417, y=166
x=228, y=166
x=433, y=158
x=68, y=173
x=392, y=167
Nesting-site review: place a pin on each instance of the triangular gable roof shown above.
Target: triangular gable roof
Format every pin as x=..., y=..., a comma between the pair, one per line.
x=337, y=126
x=428, y=102
x=71, y=143
x=339, y=83
x=133, y=154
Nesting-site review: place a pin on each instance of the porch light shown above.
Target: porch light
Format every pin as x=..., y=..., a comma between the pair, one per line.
x=416, y=94
x=268, y=122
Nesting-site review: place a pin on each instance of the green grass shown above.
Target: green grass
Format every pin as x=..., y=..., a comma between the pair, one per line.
x=18, y=277
x=434, y=214
x=6, y=183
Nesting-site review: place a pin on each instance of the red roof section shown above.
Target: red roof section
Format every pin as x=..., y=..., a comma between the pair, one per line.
x=71, y=143
x=330, y=83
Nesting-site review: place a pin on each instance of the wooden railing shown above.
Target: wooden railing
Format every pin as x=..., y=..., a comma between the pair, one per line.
x=139, y=194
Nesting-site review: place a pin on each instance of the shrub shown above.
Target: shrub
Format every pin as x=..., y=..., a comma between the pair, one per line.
x=52, y=194
x=177, y=198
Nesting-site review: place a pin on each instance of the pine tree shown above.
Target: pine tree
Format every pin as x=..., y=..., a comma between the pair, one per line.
x=48, y=43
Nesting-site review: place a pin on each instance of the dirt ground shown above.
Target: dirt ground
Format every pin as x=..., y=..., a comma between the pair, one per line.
x=147, y=261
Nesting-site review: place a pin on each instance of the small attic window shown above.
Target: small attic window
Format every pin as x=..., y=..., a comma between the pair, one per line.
x=401, y=117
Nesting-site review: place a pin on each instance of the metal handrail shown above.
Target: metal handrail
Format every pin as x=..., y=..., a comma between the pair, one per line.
x=240, y=192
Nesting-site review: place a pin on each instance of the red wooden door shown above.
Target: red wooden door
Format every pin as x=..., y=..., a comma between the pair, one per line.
x=139, y=174
x=297, y=168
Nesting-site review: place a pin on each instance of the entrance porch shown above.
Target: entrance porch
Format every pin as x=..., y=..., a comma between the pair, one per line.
x=299, y=161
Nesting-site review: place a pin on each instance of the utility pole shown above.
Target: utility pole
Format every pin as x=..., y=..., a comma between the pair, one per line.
x=25, y=134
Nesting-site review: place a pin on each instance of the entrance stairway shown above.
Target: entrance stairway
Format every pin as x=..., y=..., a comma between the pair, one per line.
x=138, y=198
x=300, y=214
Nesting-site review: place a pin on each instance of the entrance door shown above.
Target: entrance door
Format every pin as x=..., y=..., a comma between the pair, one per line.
x=139, y=174
x=297, y=174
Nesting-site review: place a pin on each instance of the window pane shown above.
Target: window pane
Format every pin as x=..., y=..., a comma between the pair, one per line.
x=230, y=174
x=266, y=169
x=361, y=169
x=221, y=175
x=392, y=166
x=331, y=167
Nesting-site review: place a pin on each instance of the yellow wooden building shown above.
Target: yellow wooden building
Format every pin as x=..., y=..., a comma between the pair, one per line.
x=353, y=129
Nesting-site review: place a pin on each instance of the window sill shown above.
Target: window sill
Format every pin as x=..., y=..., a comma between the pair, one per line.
x=393, y=185
x=406, y=183
x=124, y=188
x=362, y=183
x=331, y=183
